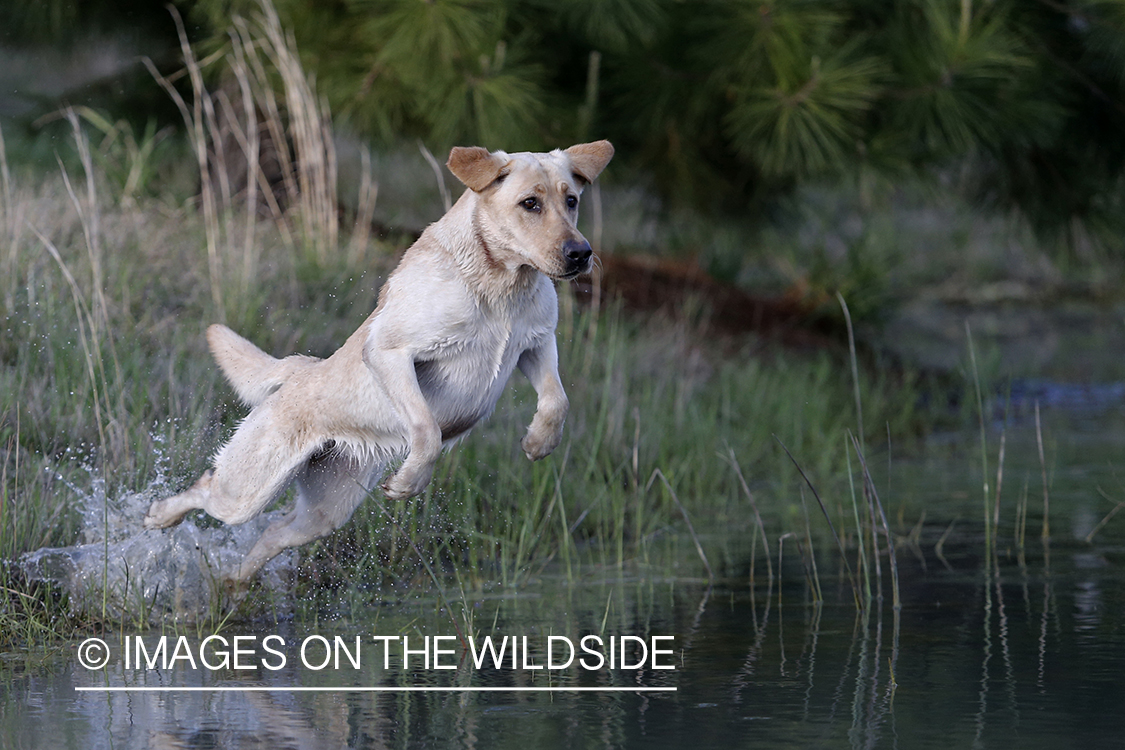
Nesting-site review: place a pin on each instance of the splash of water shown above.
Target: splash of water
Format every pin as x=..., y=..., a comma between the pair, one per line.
x=123, y=573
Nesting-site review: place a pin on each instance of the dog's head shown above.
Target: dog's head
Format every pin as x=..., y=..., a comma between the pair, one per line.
x=527, y=204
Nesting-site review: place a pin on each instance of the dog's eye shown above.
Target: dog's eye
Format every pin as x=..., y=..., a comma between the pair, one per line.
x=531, y=204
x=572, y=201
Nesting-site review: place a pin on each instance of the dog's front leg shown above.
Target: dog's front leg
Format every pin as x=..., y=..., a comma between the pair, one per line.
x=394, y=370
x=541, y=366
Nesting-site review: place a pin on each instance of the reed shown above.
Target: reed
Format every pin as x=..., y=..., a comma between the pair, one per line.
x=229, y=146
x=687, y=520
x=5, y=185
x=1046, y=532
x=759, y=527
x=989, y=540
x=818, y=592
x=878, y=506
x=1118, y=505
x=863, y=563
x=939, y=546
x=1021, y=522
x=999, y=479
x=853, y=360
x=831, y=527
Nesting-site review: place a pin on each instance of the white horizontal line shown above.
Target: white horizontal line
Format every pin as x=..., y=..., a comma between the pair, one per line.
x=364, y=689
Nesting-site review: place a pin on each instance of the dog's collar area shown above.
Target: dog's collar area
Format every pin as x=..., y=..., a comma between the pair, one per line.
x=489, y=259
x=486, y=273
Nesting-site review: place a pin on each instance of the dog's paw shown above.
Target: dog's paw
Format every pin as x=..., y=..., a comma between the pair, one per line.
x=405, y=483
x=159, y=516
x=233, y=589
x=170, y=511
x=536, y=445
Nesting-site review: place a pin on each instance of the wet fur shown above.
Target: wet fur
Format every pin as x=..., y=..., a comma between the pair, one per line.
x=471, y=301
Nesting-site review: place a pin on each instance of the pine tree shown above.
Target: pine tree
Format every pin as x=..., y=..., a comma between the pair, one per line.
x=729, y=103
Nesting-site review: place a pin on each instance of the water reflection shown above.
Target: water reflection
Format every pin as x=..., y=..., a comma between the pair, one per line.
x=1021, y=640
x=979, y=655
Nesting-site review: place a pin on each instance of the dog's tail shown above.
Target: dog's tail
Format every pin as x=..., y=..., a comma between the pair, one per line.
x=253, y=373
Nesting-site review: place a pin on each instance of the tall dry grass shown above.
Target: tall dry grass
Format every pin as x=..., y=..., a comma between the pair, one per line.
x=233, y=141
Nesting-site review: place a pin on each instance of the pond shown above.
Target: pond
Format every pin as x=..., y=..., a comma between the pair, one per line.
x=1003, y=636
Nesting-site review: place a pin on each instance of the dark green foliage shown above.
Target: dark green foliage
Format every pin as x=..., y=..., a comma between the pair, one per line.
x=732, y=103
x=62, y=22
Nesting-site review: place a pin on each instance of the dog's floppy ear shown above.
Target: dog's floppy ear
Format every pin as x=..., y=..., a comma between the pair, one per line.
x=589, y=159
x=475, y=166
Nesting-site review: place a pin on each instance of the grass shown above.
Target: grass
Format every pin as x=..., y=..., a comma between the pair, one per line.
x=106, y=367
x=107, y=289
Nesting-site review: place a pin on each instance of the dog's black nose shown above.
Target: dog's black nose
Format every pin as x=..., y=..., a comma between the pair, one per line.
x=577, y=253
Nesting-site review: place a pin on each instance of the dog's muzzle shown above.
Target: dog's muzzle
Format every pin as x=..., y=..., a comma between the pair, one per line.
x=578, y=256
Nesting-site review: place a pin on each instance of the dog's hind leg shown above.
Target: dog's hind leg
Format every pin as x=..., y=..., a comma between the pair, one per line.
x=251, y=471
x=170, y=511
x=329, y=489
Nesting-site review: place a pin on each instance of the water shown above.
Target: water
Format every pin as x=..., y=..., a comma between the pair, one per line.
x=123, y=573
x=1024, y=646
x=1029, y=653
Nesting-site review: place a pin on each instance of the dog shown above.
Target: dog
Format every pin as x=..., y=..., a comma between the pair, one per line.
x=470, y=301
